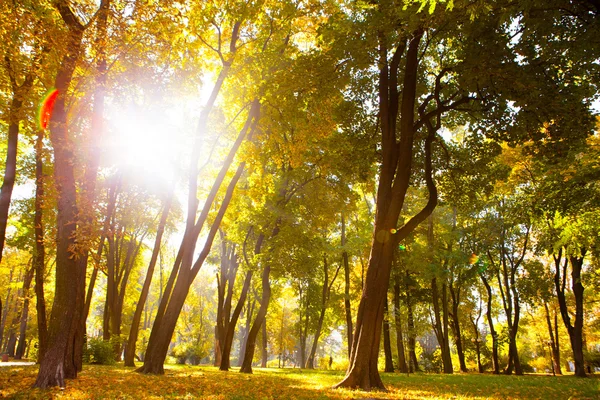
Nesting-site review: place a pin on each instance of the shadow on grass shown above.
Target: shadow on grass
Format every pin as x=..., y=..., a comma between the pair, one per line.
x=185, y=382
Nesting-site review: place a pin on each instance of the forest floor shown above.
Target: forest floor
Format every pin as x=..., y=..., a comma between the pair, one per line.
x=186, y=382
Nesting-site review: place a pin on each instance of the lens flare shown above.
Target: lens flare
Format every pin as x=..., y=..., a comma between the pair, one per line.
x=473, y=259
x=402, y=247
x=46, y=107
x=393, y=230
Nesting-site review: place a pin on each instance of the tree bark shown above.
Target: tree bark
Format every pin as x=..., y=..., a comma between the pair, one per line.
x=347, y=306
x=402, y=367
x=393, y=184
x=575, y=329
x=310, y=363
x=88, y=193
x=137, y=316
x=39, y=255
x=440, y=325
x=387, y=344
x=15, y=115
x=554, y=347
x=162, y=332
x=455, y=296
x=24, y=314
x=488, y=314
x=58, y=362
x=413, y=363
x=225, y=356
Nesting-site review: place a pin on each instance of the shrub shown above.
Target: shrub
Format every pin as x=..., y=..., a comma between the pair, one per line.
x=99, y=351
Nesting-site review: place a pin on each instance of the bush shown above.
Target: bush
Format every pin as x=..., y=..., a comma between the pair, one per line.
x=189, y=353
x=99, y=351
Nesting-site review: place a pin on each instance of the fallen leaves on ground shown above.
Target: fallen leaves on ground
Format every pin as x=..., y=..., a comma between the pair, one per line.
x=186, y=382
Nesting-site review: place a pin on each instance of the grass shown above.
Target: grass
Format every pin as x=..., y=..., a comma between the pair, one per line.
x=185, y=382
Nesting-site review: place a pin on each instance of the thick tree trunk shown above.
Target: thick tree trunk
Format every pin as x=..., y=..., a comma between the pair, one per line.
x=137, y=316
x=402, y=367
x=347, y=306
x=58, y=362
x=24, y=314
x=225, y=356
x=39, y=255
x=393, y=184
x=88, y=195
x=575, y=330
x=387, y=344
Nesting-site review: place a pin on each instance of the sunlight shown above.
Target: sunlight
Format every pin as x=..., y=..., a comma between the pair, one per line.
x=146, y=142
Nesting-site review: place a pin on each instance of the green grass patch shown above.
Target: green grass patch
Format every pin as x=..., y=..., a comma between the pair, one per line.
x=186, y=382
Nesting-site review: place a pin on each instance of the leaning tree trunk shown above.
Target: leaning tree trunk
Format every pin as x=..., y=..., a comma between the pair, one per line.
x=15, y=116
x=162, y=330
x=58, y=362
x=137, y=316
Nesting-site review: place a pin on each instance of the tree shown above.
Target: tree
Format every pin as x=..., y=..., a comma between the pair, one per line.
x=58, y=362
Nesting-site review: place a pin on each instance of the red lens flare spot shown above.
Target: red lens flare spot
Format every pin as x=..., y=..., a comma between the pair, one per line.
x=46, y=108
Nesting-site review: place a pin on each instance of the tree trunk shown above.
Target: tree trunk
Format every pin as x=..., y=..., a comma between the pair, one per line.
x=441, y=325
x=394, y=180
x=575, y=330
x=24, y=314
x=58, y=362
x=137, y=316
x=387, y=344
x=88, y=195
x=402, y=367
x=413, y=362
x=244, y=332
x=264, y=341
x=553, y=341
x=455, y=296
x=163, y=328
x=310, y=364
x=347, y=306
x=488, y=314
x=39, y=255
x=15, y=115
x=258, y=322
x=225, y=356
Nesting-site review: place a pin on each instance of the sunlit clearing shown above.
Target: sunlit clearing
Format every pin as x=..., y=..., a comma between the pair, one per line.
x=146, y=143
